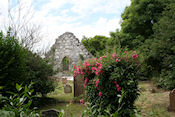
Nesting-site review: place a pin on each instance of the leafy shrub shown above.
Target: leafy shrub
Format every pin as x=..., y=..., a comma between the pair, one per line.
x=12, y=62
x=163, y=48
x=38, y=71
x=19, y=103
x=19, y=65
x=105, y=79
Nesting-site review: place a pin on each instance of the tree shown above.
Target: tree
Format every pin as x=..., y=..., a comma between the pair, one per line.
x=20, y=20
x=12, y=62
x=39, y=71
x=138, y=20
x=20, y=65
x=163, y=47
x=96, y=45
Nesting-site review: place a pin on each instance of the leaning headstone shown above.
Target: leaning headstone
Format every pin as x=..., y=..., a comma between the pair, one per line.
x=171, y=107
x=67, y=88
x=50, y=113
x=78, y=86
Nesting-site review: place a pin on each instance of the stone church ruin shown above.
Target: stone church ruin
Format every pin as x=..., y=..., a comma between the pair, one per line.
x=66, y=52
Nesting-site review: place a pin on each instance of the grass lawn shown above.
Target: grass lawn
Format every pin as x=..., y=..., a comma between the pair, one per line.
x=153, y=104
x=150, y=104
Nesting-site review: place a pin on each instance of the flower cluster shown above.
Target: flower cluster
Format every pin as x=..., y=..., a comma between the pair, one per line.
x=94, y=67
x=117, y=86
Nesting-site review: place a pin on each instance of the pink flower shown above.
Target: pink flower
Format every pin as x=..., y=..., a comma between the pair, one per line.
x=89, y=73
x=75, y=73
x=115, y=82
x=134, y=56
x=74, y=67
x=97, y=64
x=70, y=101
x=85, y=82
x=86, y=64
x=119, y=89
x=100, y=67
x=101, y=58
x=81, y=101
x=117, y=60
x=97, y=73
x=100, y=94
x=114, y=55
x=104, y=56
x=82, y=73
x=117, y=85
x=79, y=70
x=125, y=52
x=97, y=81
x=101, y=71
x=94, y=69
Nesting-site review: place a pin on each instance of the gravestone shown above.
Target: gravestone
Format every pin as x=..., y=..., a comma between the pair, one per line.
x=171, y=107
x=78, y=86
x=67, y=88
x=50, y=113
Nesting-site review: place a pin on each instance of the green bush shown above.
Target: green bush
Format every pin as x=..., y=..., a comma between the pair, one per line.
x=18, y=104
x=19, y=65
x=163, y=48
x=12, y=62
x=38, y=72
x=105, y=79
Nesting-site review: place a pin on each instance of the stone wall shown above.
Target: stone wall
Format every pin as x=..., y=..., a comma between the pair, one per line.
x=67, y=45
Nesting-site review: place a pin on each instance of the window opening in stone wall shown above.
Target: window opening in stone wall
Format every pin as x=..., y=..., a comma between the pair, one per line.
x=65, y=64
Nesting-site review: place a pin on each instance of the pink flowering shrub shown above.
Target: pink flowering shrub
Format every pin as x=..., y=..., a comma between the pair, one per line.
x=107, y=77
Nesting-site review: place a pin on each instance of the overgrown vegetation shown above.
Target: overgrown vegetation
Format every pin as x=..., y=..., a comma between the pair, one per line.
x=19, y=65
x=147, y=26
x=111, y=81
x=18, y=104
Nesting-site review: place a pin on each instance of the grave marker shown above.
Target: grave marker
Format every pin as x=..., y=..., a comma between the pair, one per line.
x=78, y=86
x=171, y=107
x=50, y=113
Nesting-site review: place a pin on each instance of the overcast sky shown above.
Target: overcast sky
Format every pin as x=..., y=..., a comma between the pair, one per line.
x=81, y=17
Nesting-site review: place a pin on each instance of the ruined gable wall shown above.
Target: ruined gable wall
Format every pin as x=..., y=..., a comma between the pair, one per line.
x=67, y=45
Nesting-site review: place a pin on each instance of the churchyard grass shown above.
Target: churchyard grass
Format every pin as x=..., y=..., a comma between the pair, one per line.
x=148, y=104
x=153, y=104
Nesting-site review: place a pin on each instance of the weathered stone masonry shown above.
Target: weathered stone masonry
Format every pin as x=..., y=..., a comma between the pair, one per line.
x=67, y=46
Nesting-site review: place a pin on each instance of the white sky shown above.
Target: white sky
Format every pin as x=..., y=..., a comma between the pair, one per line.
x=81, y=17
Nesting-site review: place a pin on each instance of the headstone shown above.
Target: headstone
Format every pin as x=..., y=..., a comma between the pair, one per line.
x=50, y=113
x=67, y=88
x=64, y=80
x=78, y=86
x=171, y=107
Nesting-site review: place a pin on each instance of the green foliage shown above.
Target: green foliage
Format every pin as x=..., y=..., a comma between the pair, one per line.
x=138, y=20
x=163, y=48
x=96, y=45
x=4, y=113
x=18, y=65
x=19, y=103
x=38, y=71
x=106, y=77
x=12, y=62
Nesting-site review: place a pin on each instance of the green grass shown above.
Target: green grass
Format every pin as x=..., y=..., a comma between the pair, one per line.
x=153, y=104
x=150, y=104
x=62, y=99
x=59, y=94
